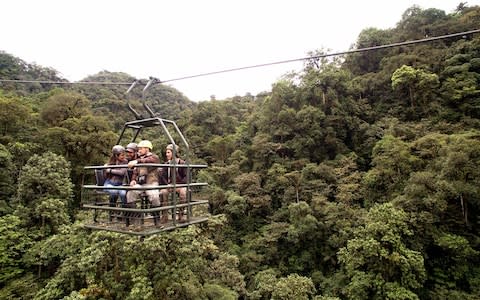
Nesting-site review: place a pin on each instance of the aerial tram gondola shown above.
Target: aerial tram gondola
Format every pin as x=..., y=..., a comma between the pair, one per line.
x=141, y=220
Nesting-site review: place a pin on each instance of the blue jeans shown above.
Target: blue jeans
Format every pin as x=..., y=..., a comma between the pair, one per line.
x=115, y=193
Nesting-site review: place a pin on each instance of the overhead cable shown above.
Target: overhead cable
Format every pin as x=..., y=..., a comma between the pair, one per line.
x=406, y=43
x=331, y=54
x=66, y=82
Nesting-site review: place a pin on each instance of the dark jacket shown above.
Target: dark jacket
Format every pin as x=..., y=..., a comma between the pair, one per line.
x=116, y=175
x=149, y=174
x=180, y=172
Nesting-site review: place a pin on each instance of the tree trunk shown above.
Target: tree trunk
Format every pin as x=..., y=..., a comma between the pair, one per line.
x=412, y=99
x=464, y=209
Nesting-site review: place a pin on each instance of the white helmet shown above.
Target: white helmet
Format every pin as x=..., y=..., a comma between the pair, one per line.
x=145, y=144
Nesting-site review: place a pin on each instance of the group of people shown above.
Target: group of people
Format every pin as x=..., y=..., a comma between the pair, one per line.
x=145, y=176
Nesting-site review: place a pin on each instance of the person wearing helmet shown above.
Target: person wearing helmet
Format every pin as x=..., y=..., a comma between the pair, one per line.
x=115, y=176
x=131, y=151
x=173, y=175
x=144, y=176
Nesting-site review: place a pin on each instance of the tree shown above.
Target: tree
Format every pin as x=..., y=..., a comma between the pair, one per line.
x=223, y=271
x=216, y=291
x=249, y=186
x=7, y=188
x=460, y=78
x=44, y=187
x=12, y=67
x=221, y=148
x=264, y=152
x=13, y=116
x=264, y=284
x=368, y=61
x=64, y=105
x=184, y=264
x=296, y=180
x=460, y=169
x=303, y=224
x=416, y=83
x=309, y=134
x=293, y=287
x=392, y=163
x=276, y=184
x=417, y=23
x=441, y=201
x=14, y=242
x=378, y=261
x=83, y=141
x=348, y=188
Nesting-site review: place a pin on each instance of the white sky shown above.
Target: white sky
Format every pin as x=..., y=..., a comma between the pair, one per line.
x=172, y=39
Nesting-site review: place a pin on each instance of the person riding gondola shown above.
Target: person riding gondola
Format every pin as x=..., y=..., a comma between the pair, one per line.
x=116, y=176
x=171, y=175
x=131, y=151
x=144, y=176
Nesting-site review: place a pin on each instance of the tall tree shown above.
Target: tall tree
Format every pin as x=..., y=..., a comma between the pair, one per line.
x=44, y=193
x=7, y=189
x=379, y=262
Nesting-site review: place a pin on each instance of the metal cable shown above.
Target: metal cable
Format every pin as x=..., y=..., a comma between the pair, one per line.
x=66, y=82
x=332, y=54
x=406, y=43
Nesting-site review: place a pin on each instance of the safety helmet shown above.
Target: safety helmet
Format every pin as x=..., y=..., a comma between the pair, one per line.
x=117, y=149
x=132, y=146
x=145, y=144
x=170, y=147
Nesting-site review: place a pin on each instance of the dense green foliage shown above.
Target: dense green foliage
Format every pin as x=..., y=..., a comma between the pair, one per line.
x=357, y=178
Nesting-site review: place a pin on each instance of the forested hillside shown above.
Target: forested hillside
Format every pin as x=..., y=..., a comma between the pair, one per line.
x=356, y=178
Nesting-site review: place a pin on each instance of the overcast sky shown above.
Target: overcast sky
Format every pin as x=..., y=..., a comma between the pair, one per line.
x=172, y=39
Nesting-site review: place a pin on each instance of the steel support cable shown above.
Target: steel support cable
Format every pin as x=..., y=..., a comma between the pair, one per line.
x=67, y=82
x=332, y=54
x=406, y=43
